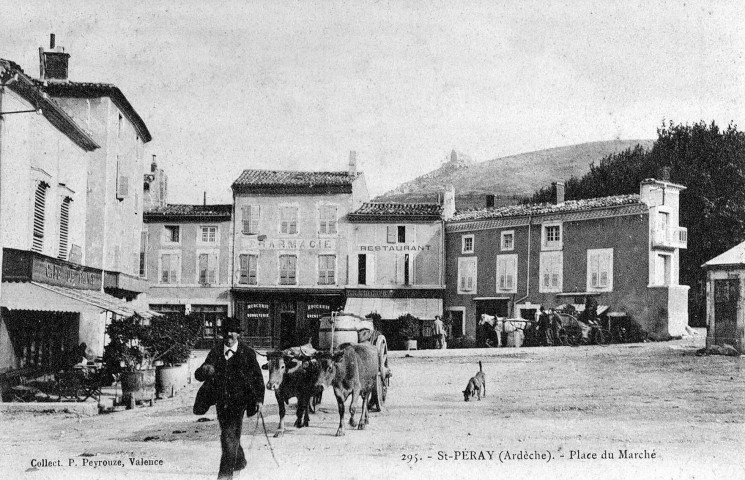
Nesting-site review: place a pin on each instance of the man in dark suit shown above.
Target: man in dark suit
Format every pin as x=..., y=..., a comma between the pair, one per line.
x=234, y=384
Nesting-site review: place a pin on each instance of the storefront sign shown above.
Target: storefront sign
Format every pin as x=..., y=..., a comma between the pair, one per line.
x=395, y=248
x=47, y=270
x=294, y=244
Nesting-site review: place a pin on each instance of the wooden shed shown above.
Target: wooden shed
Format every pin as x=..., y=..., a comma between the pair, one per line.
x=725, y=299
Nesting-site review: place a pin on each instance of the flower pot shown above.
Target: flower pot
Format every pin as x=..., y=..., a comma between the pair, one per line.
x=138, y=386
x=169, y=379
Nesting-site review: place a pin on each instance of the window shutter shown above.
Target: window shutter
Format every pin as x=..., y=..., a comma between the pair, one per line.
x=370, y=269
x=203, y=265
x=165, y=268
x=255, y=216
x=243, y=269
x=508, y=283
x=253, y=269
x=604, y=270
x=212, y=269
x=391, y=234
x=122, y=189
x=246, y=219
x=64, y=222
x=40, y=201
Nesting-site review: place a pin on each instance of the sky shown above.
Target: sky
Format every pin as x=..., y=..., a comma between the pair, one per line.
x=225, y=86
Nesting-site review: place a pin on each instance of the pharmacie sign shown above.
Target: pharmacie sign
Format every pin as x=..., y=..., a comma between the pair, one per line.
x=293, y=244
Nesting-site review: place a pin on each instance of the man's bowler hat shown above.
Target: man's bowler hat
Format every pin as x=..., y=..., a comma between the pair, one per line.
x=231, y=324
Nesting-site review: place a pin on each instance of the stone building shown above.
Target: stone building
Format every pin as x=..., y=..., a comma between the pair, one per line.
x=69, y=227
x=291, y=239
x=188, y=262
x=622, y=250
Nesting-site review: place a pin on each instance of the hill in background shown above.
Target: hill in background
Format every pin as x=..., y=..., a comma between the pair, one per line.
x=510, y=179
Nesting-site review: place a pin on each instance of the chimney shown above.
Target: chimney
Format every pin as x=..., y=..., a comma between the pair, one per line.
x=352, y=162
x=489, y=201
x=154, y=165
x=559, y=192
x=665, y=174
x=448, y=204
x=53, y=63
x=204, y=201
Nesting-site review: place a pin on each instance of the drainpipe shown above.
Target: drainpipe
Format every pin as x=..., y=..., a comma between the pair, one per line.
x=231, y=263
x=527, y=272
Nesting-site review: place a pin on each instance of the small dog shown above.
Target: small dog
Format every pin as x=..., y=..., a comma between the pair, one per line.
x=476, y=385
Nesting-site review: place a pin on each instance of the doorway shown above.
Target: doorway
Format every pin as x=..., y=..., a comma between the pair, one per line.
x=726, y=298
x=287, y=324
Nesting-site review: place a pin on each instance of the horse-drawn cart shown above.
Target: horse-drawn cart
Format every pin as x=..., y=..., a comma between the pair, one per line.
x=340, y=328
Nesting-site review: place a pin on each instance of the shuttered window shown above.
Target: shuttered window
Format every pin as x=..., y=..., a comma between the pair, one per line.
x=507, y=273
x=327, y=221
x=467, y=271
x=551, y=271
x=326, y=269
x=288, y=220
x=40, y=202
x=207, y=268
x=600, y=269
x=248, y=269
x=169, y=268
x=64, y=225
x=287, y=269
x=391, y=234
x=250, y=218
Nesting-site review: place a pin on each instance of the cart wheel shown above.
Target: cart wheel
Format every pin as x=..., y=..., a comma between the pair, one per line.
x=602, y=336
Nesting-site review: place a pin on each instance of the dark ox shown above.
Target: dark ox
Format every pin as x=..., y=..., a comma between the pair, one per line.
x=351, y=371
x=292, y=377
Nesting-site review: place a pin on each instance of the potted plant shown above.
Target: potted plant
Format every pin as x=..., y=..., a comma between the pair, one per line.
x=128, y=355
x=408, y=330
x=172, y=338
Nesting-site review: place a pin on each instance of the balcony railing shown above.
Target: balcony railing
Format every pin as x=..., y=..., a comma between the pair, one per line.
x=671, y=238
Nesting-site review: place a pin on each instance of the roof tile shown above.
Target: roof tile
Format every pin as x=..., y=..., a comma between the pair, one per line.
x=372, y=209
x=546, y=208
x=181, y=210
x=293, y=178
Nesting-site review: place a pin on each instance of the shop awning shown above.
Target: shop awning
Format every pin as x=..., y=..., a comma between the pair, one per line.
x=53, y=298
x=392, y=308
